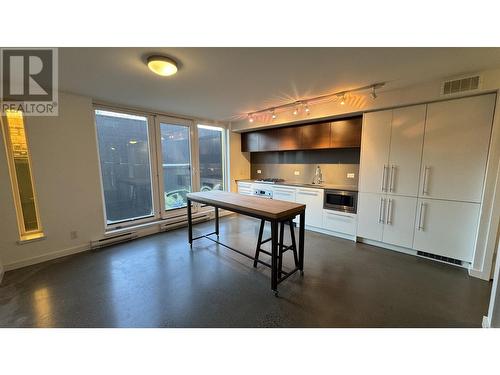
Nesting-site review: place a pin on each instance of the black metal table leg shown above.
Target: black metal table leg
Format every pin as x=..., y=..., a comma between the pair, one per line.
x=281, y=246
x=294, y=243
x=274, y=256
x=259, y=243
x=217, y=221
x=301, y=241
x=190, y=223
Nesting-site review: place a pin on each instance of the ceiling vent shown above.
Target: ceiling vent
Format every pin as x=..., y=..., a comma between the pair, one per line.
x=455, y=86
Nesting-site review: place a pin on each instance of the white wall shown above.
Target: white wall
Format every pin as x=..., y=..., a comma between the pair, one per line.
x=67, y=182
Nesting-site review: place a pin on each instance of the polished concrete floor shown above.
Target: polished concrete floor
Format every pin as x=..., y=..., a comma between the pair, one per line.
x=157, y=281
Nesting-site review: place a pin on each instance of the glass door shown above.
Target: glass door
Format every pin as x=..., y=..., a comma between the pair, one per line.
x=175, y=161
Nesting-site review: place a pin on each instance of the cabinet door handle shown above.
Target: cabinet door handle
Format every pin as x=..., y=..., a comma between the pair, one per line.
x=383, y=178
x=308, y=193
x=380, y=211
x=389, y=212
x=391, y=183
x=426, y=180
x=420, y=217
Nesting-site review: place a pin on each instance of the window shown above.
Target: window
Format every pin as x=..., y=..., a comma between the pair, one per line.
x=124, y=153
x=18, y=157
x=211, y=154
x=176, y=164
x=149, y=163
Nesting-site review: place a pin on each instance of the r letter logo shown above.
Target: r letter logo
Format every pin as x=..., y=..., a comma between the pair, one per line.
x=29, y=81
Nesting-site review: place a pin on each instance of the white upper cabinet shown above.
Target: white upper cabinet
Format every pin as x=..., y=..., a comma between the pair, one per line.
x=446, y=228
x=457, y=135
x=407, y=137
x=375, y=141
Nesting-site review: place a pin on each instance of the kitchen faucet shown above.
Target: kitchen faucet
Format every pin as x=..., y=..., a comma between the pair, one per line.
x=318, y=176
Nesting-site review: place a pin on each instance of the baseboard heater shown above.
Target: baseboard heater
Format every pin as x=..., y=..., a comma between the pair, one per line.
x=181, y=221
x=108, y=241
x=440, y=257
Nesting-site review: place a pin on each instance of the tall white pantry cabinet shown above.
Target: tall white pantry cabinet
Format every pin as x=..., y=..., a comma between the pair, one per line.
x=421, y=175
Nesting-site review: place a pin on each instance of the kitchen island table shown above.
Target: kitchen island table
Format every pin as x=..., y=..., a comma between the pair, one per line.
x=275, y=211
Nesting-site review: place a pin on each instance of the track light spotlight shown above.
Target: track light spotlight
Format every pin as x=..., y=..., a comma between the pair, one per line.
x=373, y=94
x=342, y=99
x=306, y=109
x=273, y=115
x=250, y=118
x=296, y=111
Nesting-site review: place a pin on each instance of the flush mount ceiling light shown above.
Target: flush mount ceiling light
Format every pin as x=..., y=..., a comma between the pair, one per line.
x=162, y=65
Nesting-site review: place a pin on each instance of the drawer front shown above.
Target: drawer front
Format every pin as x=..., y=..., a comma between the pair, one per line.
x=284, y=193
x=245, y=188
x=339, y=223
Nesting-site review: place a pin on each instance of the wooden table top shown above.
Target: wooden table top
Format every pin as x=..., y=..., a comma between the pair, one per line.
x=248, y=204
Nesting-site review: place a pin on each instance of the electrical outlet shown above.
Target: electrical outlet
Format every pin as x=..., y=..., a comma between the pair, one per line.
x=296, y=173
x=350, y=175
x=73, y=234
x=259, y=171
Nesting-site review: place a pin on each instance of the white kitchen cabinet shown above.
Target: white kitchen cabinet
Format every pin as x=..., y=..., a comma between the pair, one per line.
x=313, y=199
x=284, y=193
x=375, y=141
x=245, y=188
x=407, y=137
x=457, y=135
x=386, y=218
x=340, y=222
x=446, y=228
x=371, y=215
x=399, y=220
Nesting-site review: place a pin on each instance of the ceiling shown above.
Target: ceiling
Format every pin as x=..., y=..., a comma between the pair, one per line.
x=224, y=83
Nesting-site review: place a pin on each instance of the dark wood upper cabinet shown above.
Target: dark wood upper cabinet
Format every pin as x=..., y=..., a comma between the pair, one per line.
x=335, y=134
x=289, y=138
x=250, y=141
x=269, y=140
x=346, y=133
x=315, y=136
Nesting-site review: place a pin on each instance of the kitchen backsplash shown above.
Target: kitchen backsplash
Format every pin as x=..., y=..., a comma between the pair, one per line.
x=335, y=165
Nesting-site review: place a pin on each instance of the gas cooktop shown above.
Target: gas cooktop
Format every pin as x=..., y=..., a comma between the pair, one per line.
x=272, y=180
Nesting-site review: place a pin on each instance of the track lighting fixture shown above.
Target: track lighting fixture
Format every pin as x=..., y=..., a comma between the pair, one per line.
x=342, y=99
x=299, y=105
